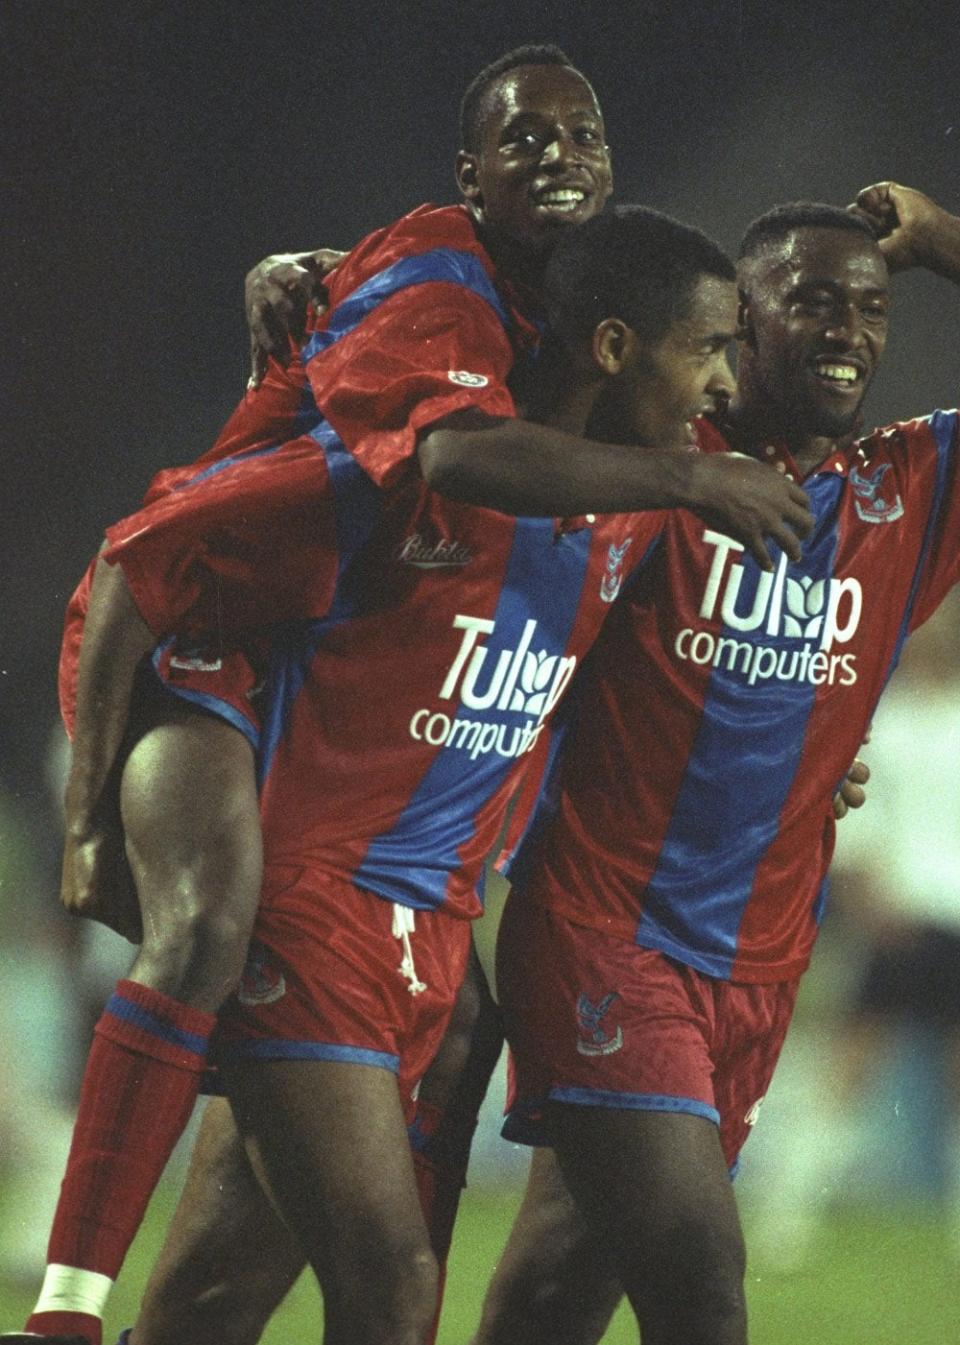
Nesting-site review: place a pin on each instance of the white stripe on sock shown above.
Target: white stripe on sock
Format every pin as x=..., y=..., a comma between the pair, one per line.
x=68, y=1289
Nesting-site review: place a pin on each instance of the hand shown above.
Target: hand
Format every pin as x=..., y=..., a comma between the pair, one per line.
x=911, y=228
x=277, y=295
x=749, y=501
x=851, y=793
x=96, y=882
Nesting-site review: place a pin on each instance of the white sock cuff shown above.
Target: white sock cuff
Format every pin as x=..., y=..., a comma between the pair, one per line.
x=68, y=1289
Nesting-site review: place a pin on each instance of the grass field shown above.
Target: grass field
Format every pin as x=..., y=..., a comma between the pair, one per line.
x=877, y=1279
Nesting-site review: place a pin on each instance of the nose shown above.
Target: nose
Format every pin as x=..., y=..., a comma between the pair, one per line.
x=845, y=325
x=560, y=149
x=722, y=383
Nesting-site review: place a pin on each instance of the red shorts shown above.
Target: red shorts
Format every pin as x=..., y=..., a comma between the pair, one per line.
x=224, y=681
x=594, y=1020
x=324, y=980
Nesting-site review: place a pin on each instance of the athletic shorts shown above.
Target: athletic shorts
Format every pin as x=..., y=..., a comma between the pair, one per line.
x=327, y=978
x=599, y=1022
x=224, y=681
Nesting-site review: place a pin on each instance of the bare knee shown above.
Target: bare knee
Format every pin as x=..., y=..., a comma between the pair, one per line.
x=691, y=1271
x=386, y=1296
x=189, y=1311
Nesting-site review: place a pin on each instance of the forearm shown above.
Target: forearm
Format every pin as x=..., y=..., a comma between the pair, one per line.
x=115, y=638
x=532, y=470
x=944, y=254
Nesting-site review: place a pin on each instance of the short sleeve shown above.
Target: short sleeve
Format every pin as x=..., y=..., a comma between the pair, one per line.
x=247, y=543
x=423, y=353
x=937, y=465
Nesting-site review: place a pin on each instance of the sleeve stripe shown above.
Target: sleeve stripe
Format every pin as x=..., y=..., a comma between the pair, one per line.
x=441, y=264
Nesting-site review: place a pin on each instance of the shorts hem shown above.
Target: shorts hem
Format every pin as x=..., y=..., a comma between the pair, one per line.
x=523, y=1124
x=272, y=1049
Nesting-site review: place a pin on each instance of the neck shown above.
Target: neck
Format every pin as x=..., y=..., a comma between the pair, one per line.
x=558, y=394
x=755, y=425
x=515, y=261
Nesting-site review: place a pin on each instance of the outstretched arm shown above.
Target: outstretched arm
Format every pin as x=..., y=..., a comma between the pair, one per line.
x=534, y=470
x=913, y=230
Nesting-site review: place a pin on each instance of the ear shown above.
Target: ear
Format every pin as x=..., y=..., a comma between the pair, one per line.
x=613, y=346
x=745, y=330
x=467, y=172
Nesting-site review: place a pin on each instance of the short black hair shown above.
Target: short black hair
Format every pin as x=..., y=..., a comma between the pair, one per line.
x=631, y=263
x=471, y=105
x=782, y=220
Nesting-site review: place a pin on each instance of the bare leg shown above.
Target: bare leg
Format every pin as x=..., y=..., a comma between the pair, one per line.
x=192, y=827
x=189, y=809
x=332, y=1141
x=555, y=1283
x=654, y=1188
x=228, y=1260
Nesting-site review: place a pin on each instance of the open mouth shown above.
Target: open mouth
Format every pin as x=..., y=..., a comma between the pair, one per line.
x=840, y=374
x=560, y=201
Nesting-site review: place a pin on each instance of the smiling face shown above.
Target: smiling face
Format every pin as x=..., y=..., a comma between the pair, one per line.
x=663, y=387
x=815, y=315
x=542, y=162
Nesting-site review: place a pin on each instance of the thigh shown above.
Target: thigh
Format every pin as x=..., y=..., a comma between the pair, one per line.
x=191, y=823
x=188, y=792
x=555, y=1283
x=331, y=1140
x=655, y=1189
x=228, y=1259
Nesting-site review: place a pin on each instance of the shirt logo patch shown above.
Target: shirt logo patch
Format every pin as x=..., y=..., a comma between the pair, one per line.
x=753, y=1115
x=444, y=554
x=592, y=1040
x=774, y=626
x=193, y=661
x=464, y=379
x=867, y=504
x=260, y=983
x=613, y=575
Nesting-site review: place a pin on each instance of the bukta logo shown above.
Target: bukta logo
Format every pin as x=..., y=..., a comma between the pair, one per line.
x=424, y=554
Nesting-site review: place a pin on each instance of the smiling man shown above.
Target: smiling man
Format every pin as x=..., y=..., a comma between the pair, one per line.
x=667, y=901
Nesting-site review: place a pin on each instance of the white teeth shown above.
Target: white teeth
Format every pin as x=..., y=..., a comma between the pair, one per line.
x=562, y=197
x=840, y=373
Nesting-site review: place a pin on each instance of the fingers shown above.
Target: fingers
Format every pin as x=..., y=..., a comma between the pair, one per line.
x=758, y=549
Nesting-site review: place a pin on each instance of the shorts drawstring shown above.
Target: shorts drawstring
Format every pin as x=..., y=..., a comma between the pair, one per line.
x=403, y=927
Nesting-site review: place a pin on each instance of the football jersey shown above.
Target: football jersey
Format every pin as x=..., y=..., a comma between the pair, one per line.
x=690, y=808
x=412, y=648
x=439, y=333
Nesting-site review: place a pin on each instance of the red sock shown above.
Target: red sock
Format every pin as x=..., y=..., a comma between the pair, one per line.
x=441, y=1152
x=139, y=1087
x=67, y=1324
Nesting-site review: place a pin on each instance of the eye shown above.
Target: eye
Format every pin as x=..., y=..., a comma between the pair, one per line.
x=813, y=303
x=524, y=140
x=587, y=135
x=874, y=312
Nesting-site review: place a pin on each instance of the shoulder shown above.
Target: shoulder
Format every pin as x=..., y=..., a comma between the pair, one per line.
x=923, y=434
x=438, y=236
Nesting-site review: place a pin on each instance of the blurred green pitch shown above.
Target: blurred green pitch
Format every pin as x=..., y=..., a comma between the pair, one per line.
x=872, y=1279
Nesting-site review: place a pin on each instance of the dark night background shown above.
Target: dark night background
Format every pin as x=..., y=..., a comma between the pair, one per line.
x=153, y=151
